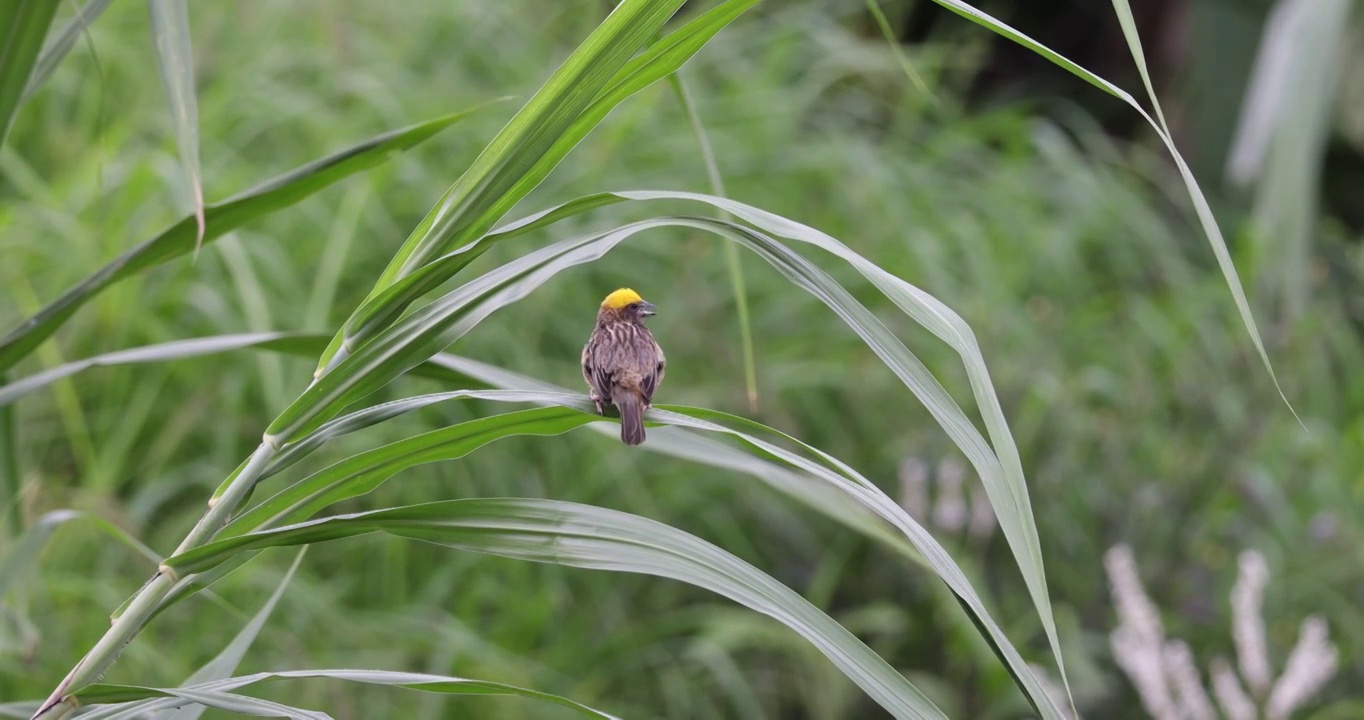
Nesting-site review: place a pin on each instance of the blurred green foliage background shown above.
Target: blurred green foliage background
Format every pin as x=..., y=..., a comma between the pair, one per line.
x=1065, y=240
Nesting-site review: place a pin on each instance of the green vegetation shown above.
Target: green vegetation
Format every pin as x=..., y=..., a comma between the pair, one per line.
x=791, y=552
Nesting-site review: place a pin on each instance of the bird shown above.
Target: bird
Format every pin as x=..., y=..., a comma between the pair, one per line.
x=622, y=363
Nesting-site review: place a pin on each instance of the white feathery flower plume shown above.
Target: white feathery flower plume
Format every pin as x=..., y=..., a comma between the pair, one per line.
x=1310, y=665
x=1194, y=703
x=1247, y=622
x=1165, y=675
x=1139, y=640
x=1231, y=697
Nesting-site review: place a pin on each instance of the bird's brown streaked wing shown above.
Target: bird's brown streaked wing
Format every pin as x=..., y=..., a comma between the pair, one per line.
x=599, y=379
x=651, y=357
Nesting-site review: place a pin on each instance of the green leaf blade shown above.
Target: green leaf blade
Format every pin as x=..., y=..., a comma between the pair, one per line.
x=596, y=538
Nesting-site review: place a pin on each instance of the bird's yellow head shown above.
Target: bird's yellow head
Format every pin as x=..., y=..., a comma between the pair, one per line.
x=626, y=304
x=620, y=298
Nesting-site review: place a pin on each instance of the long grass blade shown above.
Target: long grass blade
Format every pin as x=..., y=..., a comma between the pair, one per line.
x=997, y=461
x=355, y=476
x=217, y=699
x=175, y=60
x=137, y=701
x=179, y=239
x=1205, y=217
x=425, y=332
x=879, y=15
x=420, y=335
x=363, y=473
x=474, y=205
x=23, y=25
x=675, y=442
x=596, y=538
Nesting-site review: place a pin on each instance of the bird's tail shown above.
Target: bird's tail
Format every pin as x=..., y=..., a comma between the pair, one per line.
x=631, y=407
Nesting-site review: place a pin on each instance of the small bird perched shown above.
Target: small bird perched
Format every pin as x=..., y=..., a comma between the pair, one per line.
x=622, y=363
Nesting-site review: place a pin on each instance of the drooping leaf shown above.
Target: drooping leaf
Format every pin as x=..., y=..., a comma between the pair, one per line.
x=596, y=538
x=135, y=701
x=422, y=334
x=671, y=441
x=217, y=699
x=1205, y=217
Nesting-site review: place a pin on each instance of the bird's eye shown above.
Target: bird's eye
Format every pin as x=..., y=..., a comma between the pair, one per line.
x=632, y=306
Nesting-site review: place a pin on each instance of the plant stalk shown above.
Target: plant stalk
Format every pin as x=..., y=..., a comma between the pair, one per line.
x=144, y=604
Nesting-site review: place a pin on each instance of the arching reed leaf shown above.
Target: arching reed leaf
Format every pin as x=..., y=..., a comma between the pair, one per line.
x=426, y=331
x=364, y=472
x=672, y=441
x=732, y=260
x=353, y=477
x=217, y=699
x=1205, y=217
x=413, y=340
x=589, y=537
x=137, y=701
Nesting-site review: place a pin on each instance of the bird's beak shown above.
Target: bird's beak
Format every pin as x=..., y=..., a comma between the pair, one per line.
x=647, y=308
